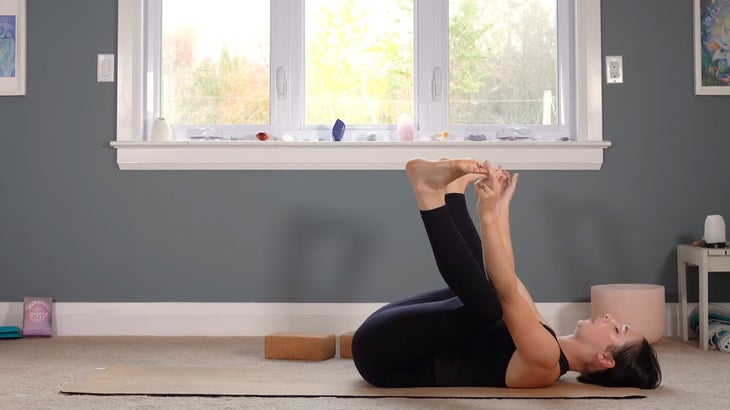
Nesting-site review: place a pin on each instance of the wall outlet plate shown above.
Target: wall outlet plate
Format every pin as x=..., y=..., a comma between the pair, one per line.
x=614, y=69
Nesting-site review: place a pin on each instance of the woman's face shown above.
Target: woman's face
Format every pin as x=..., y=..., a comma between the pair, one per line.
x=605, y=331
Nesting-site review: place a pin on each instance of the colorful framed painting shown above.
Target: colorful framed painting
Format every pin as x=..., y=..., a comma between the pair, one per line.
x=712, y=47
x=12, y=47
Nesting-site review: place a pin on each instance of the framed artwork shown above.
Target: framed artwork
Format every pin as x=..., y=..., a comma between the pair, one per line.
x=712, y=47
x=37, y=316
x=12, y=47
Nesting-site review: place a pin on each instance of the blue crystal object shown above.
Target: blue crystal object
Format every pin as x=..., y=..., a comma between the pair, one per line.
x=338, y=130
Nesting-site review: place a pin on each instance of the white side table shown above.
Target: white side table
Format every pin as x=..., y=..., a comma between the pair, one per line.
x=707, y=260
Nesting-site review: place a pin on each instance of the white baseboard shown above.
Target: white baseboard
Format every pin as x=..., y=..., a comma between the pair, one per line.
x=246, y=319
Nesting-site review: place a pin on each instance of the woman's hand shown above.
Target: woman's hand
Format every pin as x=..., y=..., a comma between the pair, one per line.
x=490, y=191
x=509, y=183
x=495, y=191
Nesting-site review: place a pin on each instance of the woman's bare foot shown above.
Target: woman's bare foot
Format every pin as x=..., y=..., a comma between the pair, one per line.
x=458, y=186
x=430, y=179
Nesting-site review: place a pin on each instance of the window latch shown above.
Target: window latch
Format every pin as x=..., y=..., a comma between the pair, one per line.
x=281, y=82
x=436, y=84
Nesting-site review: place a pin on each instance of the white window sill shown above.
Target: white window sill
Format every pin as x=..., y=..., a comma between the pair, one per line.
x=256, y=155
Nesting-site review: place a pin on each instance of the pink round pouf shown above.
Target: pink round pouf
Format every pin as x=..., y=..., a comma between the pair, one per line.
x=638, y=305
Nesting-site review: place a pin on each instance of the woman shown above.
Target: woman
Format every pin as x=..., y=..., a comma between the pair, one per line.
x=484, y=329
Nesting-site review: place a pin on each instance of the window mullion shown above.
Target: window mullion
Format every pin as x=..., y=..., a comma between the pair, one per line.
x=286, y=65
x=431, y=61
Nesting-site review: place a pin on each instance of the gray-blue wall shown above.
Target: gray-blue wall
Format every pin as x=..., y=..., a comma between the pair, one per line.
x=74, y=227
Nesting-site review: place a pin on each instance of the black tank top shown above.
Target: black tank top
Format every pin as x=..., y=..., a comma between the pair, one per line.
x=482, y=359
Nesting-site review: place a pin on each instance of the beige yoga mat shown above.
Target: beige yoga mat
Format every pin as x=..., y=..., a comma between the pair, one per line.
x=316, y=381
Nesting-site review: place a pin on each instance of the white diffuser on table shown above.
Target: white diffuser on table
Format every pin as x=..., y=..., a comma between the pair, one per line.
x=715, y=231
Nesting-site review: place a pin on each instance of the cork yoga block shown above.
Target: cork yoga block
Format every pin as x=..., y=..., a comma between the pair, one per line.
x=300, y=346
x=346, y=345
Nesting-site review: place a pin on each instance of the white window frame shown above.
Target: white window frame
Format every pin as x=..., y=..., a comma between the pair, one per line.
x=134, y=153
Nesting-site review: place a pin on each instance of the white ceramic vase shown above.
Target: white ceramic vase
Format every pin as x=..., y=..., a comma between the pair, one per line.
x=161, y=130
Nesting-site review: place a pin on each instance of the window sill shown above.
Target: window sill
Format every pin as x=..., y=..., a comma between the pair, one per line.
x=271, y=155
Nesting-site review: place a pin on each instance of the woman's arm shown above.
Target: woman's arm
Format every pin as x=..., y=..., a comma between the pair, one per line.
x=509, y=183
x=535, y=345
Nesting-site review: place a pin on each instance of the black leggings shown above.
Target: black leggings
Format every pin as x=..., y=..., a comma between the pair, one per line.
x=396, y=345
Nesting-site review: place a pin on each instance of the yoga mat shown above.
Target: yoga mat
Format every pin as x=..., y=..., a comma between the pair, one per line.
x=316, y=381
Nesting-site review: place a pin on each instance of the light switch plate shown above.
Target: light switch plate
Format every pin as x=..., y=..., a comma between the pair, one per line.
x=105, y=68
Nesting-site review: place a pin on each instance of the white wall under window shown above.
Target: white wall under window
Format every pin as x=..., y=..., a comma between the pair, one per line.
x=584, y=151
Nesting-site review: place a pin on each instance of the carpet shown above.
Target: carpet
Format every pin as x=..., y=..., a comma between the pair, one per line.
x=284, y=382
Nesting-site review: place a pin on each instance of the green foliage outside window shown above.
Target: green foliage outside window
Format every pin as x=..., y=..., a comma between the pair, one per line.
x=502, y=67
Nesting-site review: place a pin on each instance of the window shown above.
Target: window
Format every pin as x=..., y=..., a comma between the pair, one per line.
x=503, y=62
x=358, y=62
x=428, y=78
x=205, y=67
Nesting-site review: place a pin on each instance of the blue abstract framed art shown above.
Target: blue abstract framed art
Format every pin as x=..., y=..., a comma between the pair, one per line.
x=712, y=47
x=12, y=47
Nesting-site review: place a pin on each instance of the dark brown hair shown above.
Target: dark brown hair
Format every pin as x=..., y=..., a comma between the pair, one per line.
x=636, y=365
